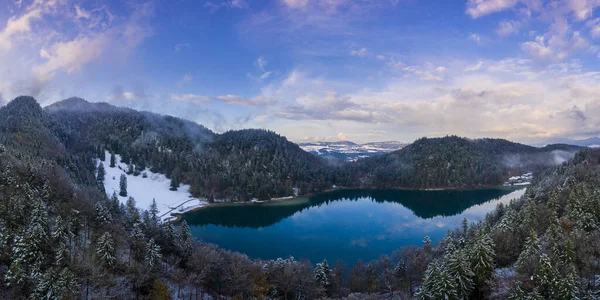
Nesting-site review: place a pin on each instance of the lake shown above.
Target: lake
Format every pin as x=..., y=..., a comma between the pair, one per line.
x=343, y=224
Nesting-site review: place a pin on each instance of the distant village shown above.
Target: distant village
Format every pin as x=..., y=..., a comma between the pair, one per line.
x=524, y=179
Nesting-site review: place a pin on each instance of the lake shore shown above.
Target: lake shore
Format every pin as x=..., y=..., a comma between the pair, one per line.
x=176, y=217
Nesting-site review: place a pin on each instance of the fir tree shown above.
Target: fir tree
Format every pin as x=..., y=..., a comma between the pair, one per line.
x=527, y=259
x=482, y=259
x=427, y=246
x=123, y=186
x=323, y=276
x=372, y=280
x=132, y=211
x=154, y=213
x=445, y=287
x=174, y=180
x=568, y=287
x=400, y=270
x=105, y=250
x=430, y=281
x=185, y=239
x=153, y=255
x=112, y=160
x=101, y=173
x=459, y=269
x=103, y=216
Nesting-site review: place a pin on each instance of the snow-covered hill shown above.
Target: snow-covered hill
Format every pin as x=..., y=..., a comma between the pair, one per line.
x=349, y=151
x=154, y=186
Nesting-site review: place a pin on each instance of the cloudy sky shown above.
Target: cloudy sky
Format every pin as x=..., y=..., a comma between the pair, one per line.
x=362, y=70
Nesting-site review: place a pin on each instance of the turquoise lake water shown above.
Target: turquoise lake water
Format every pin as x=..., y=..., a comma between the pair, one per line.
x=345, y=224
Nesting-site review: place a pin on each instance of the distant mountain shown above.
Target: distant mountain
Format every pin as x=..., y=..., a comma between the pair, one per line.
x=593, y=142
x=349, y=151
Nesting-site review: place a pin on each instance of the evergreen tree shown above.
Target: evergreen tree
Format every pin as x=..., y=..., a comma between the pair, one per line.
x=400, y=271
x=528, y=258
x=430, y=282
x=153, y=255
x=123, y=186
x=112, y=160
x=546, y=275
x=459, y=269
x=427, y=245
x=101, y=153
x=372, y=280
x=154, y=213
x=323, y=276
x=105, y=250
x=185, y=240
x=132, y=211
x=445, y=287
x=103, y=216
x=174, y=180
x=568, y=287
x=101, y=173
x=482, y=259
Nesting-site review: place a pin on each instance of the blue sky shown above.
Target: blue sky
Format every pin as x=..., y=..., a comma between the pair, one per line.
x=359, y=70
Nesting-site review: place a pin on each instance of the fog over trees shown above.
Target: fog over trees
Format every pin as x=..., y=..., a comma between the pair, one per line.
x=62, y=237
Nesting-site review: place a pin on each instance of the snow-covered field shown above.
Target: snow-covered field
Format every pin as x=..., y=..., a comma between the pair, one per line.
x=143, y=190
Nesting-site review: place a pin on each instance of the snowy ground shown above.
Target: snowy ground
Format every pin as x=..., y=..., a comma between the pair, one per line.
x=143, y=190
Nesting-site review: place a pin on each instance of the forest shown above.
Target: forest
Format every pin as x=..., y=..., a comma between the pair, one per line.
x=62, y=237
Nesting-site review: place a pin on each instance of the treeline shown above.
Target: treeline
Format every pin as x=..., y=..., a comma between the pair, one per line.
x=61, y=237
x=246, y=164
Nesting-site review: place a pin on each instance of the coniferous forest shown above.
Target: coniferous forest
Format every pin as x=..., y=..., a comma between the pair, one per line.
x=62, y=237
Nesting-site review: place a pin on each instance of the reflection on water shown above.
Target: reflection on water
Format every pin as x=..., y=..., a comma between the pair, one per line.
x=345, y=224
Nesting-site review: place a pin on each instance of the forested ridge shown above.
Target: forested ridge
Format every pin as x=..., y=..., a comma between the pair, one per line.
x=244, y=164
x=61, y=237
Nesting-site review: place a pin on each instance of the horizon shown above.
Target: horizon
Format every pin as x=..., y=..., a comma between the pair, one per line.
x=337, y=139
x=327, y=70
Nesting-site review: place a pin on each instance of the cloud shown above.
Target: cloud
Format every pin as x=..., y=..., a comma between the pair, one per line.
x=341, y=136
x=509, y=98
x=475, y=37
x=508, y=27
x=480, y=8
x=17, y=27
x=260, y=64
x=229, y=99
x=360, y=52
x=229, y=4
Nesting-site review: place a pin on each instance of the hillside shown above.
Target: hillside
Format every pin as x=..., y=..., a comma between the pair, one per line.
x=454, y=162
x=236, y=165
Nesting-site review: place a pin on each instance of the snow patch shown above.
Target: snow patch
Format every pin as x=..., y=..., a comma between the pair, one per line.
x=143, y=190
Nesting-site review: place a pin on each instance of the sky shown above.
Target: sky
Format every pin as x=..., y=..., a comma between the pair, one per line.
x=362, y=70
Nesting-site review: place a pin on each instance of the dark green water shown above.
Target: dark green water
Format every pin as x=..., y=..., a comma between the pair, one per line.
x=347, y=225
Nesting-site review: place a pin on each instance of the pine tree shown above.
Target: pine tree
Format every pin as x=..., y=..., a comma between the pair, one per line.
x=103, y=216
x=597, y=286
x=29, y=248
x=112, y=160
x=123, y=186
x=372, y=280
x=400, y=271
x=153, y=255
x=527, y=259
x=115, y=204
x=174, y=180
x=105, y=250
x=459, y=269
x=482, y=259
x=323, y=276
x=546, y=274
x=427, y=244
x=101, y=173
x=568, y=286
x=430, y=281
x=154, y=213
x=132, y=211
x=445, y=287
x=185, y=239
x=101, y=153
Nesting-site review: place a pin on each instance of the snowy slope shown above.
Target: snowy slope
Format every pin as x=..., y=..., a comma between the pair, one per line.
x=143, y=190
